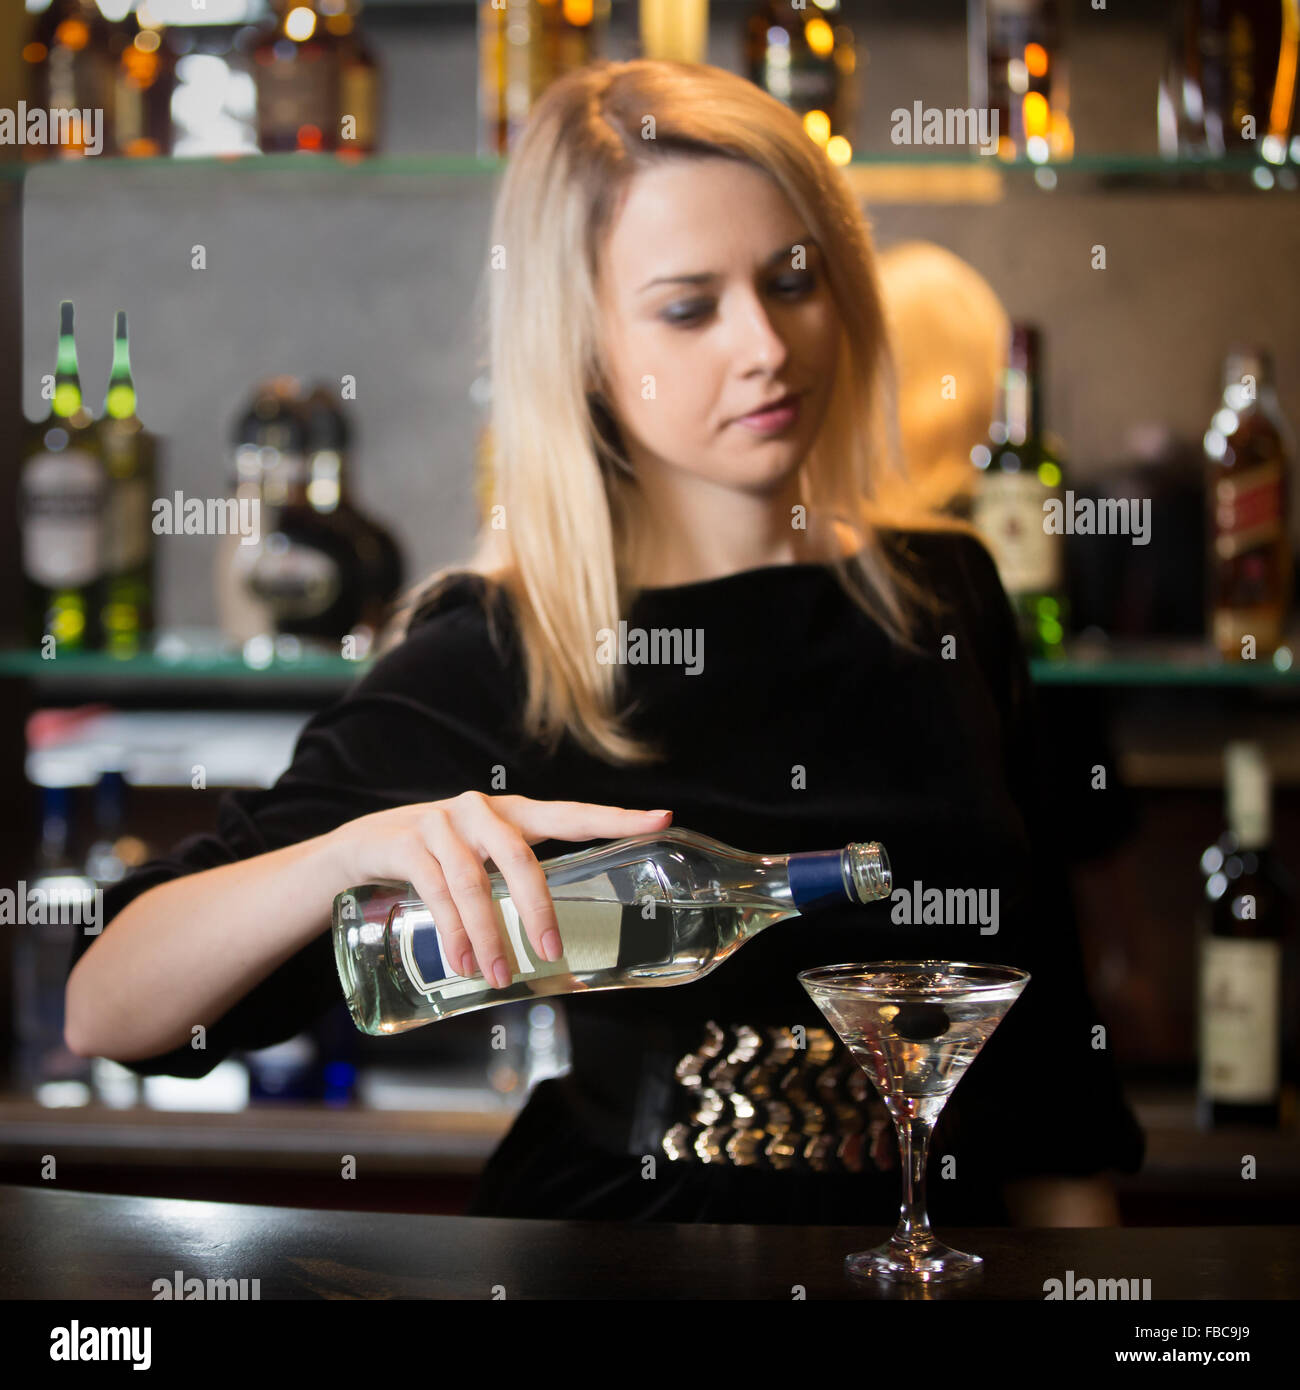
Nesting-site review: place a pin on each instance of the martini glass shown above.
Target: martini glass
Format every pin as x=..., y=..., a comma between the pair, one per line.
x=914, y=1026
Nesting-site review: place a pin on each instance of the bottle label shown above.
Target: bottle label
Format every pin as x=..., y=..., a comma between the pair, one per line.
x=293, y=93
x=294, y=581
x=1008, y=512
x=62, y=496
x=127, y=527
x=430, y=971
x=1247, y=510
x=1241, y=985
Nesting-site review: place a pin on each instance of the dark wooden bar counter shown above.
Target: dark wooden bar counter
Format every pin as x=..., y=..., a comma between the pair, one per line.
x=63, y=1245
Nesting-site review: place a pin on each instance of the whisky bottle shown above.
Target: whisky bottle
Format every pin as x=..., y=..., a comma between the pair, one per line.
x=130, y=455
x=328, y=445
x=144, y=81
x=796, y=54
x=61, y=497
x=514, y=59
x=648, y=911
x=1251, y=903
x=1249, y=451
x=1020, y=470
x=1017, y=69
x=295, y=66
x=69, y=66
x=360, y=90
x=306, y=570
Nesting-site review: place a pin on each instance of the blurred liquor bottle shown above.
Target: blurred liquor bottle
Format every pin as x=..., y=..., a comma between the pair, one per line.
x=130, y=455
x=523, y=46
x=113, y=853
x=1249, y=451
x=61, y=497
x=304, y=576
x=1247, y=965
x=675, y=30
x=1246, y=58
x=70, y=66
x=241, y=615
x=328, y=444
x=1017, y=68
x=58, y=902
x=1180, y=96
x=1020, y=470
x=360, y=79
x=144, y=81
x=804, y=59
x=295, y=62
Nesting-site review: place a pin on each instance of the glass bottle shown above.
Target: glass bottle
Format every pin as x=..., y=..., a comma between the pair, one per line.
x=1017, y=68
x=61, y=498
x=69, y=66
x=360, y=78
x=144, y=81
x=306, y=569
x=801, y=57
x=56, y=904
x=1020, y=470
x=647, y=911
x=130, y=455
x=1249, y=451
x=295, y=66
x=328, y=445
x=1243, y=964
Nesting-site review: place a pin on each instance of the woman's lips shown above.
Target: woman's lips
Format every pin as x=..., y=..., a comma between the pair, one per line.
x=780, y=417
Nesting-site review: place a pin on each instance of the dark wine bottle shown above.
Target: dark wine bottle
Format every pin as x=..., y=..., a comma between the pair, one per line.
x=1251, y=903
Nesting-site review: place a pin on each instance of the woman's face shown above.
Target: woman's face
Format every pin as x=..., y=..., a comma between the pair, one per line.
x=685, y=360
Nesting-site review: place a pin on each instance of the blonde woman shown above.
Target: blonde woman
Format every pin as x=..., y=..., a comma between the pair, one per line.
x=670, y=255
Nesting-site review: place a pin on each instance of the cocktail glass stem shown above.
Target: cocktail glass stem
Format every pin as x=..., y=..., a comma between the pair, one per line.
x=913, y=1231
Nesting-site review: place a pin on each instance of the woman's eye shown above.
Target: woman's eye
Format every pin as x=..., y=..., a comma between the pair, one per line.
x=790, y=287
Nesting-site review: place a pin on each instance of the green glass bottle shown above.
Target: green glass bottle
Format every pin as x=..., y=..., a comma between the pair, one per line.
x=130, y=455
x=1020, y=470
x=60, y=501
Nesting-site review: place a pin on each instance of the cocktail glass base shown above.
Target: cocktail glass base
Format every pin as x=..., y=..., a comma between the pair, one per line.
x=929, y=1262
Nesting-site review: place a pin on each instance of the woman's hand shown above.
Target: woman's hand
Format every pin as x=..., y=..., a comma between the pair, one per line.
x=440, y=847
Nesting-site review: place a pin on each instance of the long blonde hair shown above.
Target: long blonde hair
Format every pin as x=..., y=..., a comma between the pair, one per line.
x=560, y=478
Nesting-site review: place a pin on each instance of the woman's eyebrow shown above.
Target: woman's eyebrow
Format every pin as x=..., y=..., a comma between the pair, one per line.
x=702, y=277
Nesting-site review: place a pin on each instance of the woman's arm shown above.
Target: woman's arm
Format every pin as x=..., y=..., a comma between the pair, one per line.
x=182, y=953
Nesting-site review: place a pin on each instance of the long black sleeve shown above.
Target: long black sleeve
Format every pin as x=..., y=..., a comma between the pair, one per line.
x=413, y=729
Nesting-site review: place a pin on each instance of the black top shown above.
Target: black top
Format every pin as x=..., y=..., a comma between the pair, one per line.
x=806, y=729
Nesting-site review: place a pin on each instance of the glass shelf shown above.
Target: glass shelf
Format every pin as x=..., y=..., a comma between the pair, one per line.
x=157, y=669
x=1157, y=662
x=965, y=178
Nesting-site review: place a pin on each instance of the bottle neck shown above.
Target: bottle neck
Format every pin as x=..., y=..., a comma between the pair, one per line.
x=859, y=873
x=1017, y=413
x=1247, y=379
x=120, y=402
x=67, y=379
x=1248, y=796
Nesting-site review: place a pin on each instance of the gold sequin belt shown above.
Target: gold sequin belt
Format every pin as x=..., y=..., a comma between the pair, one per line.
x=753, y=1097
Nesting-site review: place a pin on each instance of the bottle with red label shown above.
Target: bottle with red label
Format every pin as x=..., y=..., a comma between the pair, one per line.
x=1249, y=450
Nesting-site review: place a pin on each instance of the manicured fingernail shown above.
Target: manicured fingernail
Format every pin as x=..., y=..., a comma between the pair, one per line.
x=658, y=813
x=500, y=972
x=552, y=946
x=467, y=963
